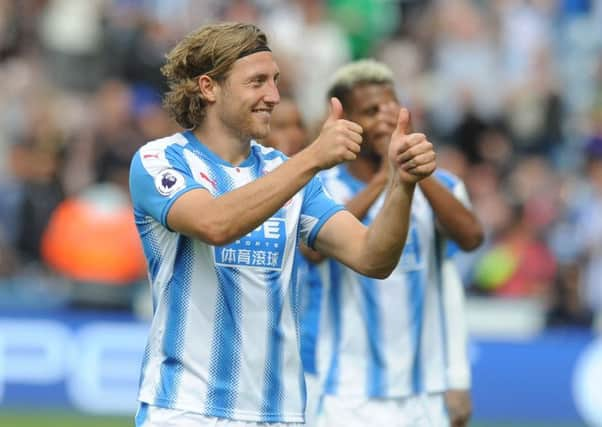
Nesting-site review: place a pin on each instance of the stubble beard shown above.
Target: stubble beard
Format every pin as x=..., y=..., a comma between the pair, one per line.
x=253, y=128
x=249, y=126
x=368, y=152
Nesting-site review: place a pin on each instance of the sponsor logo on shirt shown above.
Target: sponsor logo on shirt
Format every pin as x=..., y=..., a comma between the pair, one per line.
x=261, y=248
x=169, y=181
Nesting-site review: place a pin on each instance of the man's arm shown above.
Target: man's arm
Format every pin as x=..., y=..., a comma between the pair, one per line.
x=358, y=206
x=457, y=221
x=372, y=251
x=457, y=396
x=361, y=203
x=221, y=220
x=375, y=251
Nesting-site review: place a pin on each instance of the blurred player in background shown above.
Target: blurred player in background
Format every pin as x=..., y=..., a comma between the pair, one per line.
x=391, y=349
x=287, y=129
x=219, y=217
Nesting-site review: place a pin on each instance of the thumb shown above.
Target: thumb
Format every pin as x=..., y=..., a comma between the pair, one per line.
x=336, y=110
x=404, y=122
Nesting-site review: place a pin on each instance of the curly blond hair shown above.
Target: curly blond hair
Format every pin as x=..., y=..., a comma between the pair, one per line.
x=212, y=51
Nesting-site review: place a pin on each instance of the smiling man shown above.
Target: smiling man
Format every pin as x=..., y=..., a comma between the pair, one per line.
x=220, y=216
x=392, y=352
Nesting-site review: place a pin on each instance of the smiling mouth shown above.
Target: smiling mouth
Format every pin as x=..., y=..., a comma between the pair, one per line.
x=263, y=110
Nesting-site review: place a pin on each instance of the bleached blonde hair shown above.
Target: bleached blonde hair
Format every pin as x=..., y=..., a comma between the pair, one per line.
x=364, y=71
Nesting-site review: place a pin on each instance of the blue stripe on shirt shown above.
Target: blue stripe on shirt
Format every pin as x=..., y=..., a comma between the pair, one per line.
x=224, y=364
x=177, y=294
x=334, y=301
x=448, y=180
x=310, y=320
x=440, y=256
x=416, y=310
x=151, y=250
x=375, y=378
x=141, y=415
x=295, y=298
x=226, y=344
x=272, y=387
x=416, y=289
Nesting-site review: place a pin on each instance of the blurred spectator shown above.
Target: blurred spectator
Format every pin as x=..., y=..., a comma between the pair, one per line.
x=518, y=261
x=241, y=11
x=578, y=49
x=532, y=102
x=466, y=67
x=567, y=307
x=287, y=133
x=310, y=46
x=134, y=48
x=576, y=239
x=102, y=151
x=71, y=34
x=37, y=163
x=525, y=32
x=518, y=264
x=10, y=31
x=149, y=117
x=589, y=226
x=469, y=132
x=366, y=22
x=92, y=241
x=452, y=159
x=19, y=21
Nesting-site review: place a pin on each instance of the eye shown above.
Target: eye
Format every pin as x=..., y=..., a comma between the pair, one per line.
x=372, y=111
x=257, y=81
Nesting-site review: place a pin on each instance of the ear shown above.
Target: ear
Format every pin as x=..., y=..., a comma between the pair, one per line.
x=208, y=88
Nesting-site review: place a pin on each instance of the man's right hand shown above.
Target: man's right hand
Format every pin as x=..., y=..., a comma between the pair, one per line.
x=339, y=140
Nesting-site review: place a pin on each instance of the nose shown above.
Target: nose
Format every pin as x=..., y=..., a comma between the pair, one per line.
x=272, y=95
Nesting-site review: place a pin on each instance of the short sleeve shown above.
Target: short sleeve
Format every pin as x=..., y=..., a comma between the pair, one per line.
x=451, y=249
x=318, y=206
x=458, y=189
x=157, y=181
x=455, y=185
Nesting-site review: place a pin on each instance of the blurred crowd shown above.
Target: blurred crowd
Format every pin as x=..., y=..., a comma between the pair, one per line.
x=509, y=91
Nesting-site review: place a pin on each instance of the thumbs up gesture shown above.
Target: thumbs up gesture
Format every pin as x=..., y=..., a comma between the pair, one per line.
x=339, y=139
x=411, y=154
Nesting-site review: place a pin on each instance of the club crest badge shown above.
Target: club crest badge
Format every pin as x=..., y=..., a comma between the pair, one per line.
x=169, y=181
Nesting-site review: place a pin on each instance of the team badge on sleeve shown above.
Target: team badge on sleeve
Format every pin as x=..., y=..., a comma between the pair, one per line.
x=169, y=181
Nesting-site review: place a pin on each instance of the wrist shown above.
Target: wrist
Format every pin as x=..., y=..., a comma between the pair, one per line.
x=401, y=189
x=408, y=187
x=309, y=160
x=380, y=179
x=426, y=183
x=395, y=182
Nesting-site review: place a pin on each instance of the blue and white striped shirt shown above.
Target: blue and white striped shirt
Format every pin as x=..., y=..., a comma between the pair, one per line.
x=224, y=338
x=386, y=338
